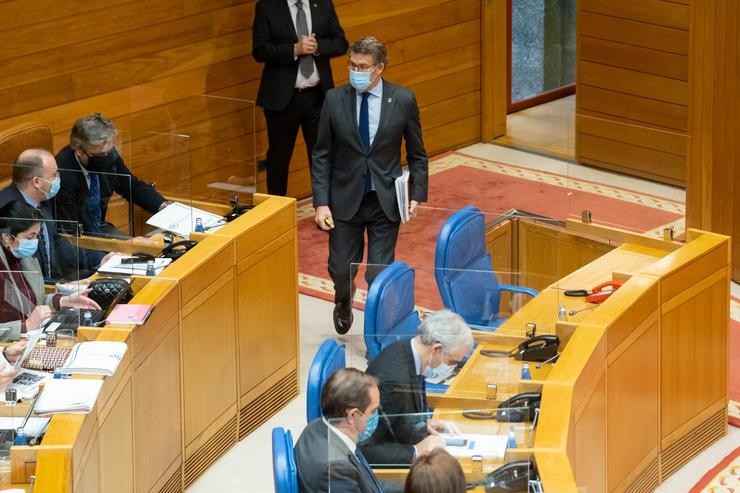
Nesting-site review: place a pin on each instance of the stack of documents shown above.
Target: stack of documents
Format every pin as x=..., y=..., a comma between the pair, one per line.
x=68, y=396
x=180, y=219
x=492, y=446
x=114, y=266
x=94, y=358
x=402, y=194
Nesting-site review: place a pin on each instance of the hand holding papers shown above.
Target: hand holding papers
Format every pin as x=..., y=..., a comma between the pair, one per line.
x=180, y=219
x=402, y=195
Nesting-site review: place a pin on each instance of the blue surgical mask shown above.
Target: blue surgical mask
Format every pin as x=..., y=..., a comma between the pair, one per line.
x=439, y=372
x=360, y=80
x=54, y=190
x=26, y=248
x=370, y=426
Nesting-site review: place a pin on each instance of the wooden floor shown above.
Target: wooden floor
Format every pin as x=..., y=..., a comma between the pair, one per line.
x=548, y=129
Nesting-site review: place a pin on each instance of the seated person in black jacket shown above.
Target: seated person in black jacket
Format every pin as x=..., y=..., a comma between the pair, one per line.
x=35, y=182
x=85, y=166
x=405, y=429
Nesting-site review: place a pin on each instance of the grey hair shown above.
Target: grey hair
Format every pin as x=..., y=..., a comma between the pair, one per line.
x=94, y=130
x=370, y=45
x=447, y=328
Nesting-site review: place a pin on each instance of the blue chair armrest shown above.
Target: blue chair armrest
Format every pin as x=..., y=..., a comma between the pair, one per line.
x=519, y=289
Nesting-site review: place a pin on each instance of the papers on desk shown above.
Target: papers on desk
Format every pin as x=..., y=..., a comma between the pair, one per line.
x=180, y=219
x=493, y=446
x=129, y=313
x=114, y=266
x=34, y=426
x=402, y=194
x=94, y=358
x=68, y=396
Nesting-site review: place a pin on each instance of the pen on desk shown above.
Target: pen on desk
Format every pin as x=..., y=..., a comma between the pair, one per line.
x=214, y=225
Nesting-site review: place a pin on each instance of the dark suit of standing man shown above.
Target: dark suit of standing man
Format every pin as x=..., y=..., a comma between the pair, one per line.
x=296, y=75
x=355, y=163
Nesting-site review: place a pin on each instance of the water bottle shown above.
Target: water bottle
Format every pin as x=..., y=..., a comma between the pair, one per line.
x=526, y=375
x=562, y=314
x=57, y=373
x=150, y=268
x=511, y=441
x=199, y=225
x=20, y=437
x=87, y=320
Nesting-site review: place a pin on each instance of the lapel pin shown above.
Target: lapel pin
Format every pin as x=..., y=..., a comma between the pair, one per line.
x=315, y=6
x=390, y=99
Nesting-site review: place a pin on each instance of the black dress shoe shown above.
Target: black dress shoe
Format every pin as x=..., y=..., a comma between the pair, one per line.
x=342, y=318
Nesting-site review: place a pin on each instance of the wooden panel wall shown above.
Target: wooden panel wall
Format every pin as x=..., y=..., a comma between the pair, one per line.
x=713, y=184
x=633, y=90
x=145, y=64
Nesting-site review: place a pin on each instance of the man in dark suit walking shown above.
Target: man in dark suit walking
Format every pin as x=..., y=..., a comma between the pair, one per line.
x=405, y=430
x=355, y=163
x=326, y=453
x=295, y=40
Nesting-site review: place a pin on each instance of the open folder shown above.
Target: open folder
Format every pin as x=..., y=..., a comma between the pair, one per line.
x=402, y=194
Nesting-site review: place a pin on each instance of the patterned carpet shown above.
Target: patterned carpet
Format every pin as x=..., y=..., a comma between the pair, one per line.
x=724, y=477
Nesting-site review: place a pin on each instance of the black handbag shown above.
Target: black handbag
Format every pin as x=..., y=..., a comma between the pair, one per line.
x=105, y=291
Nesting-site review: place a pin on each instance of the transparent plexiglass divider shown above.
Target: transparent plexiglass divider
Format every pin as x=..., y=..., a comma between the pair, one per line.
x=480, y=452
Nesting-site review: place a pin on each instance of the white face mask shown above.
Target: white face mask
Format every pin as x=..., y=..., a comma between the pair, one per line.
x=439, y=372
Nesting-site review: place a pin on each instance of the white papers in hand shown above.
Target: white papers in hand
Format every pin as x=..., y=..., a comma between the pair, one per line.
x=493, y=446
x=402, y=195
x=180, y=219
x=68, y=396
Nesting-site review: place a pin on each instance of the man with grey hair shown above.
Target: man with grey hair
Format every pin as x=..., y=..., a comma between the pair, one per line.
x=35, y=182
x=356, y=161
x=91, y=170
x=441, y=342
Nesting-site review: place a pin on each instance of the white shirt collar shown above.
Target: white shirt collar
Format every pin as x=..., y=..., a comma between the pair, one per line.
x=417, y=360
x=352, y=446
x=375, y=91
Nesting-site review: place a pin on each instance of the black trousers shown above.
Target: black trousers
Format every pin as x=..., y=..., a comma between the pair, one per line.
x=304, y=111
x=347, y=244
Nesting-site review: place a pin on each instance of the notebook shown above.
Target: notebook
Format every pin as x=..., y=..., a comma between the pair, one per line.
x=129, y=314
x=68, y=396
x=94, y=358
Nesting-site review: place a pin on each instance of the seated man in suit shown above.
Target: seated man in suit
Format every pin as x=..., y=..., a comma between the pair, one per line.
x=91, y=170
x=35, y=182
x=405, y=430
x=326, y=453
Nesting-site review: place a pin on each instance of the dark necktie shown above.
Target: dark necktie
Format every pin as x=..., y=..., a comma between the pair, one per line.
x=93, y=203
x=301, y=26
x=421, y=389
x=369, y=470
x=44, y=250
x=364, y=128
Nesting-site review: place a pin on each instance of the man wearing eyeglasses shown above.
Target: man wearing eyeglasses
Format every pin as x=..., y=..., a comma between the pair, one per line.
x=405, y=430
x=356, y=160
x=295, y=40
x=91, y=170
x=36, y=181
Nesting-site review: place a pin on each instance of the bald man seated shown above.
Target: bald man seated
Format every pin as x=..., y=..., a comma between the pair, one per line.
x=35, y=182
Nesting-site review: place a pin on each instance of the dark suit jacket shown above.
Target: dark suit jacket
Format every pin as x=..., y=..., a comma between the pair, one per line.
x=70, y=202
x=402, y=424
x=326, y=464
x=273, y=37
x=63, y=255
x=340, y=160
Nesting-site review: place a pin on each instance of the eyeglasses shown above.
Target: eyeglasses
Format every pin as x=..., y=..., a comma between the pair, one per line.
x=360, y=68
x=56, y=175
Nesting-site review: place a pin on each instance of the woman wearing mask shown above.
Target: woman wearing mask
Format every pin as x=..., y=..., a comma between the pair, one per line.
x=23, y=302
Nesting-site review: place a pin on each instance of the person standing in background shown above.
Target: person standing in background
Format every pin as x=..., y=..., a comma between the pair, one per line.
x=295, y=40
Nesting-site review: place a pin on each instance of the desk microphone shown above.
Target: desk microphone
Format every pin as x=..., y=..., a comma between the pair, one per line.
x=551, y=359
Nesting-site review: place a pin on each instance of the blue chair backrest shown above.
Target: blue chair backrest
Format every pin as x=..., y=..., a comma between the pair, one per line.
x=284, y=470
x=463, y=270
x=389, y=308
x=329, y=358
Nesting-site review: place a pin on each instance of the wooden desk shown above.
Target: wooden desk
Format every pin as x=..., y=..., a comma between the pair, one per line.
x=190, y=386
x=640, y=387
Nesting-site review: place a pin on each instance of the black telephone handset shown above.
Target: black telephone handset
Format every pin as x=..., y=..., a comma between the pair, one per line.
x=178, y=249
x=513, y=476
x=518, y=408
x=539, y=348
x=237, y=211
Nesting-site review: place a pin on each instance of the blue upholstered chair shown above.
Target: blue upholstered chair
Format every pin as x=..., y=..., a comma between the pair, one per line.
x=389, y=308
x=464, y=274
x=284, y=470
x=329, y=358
